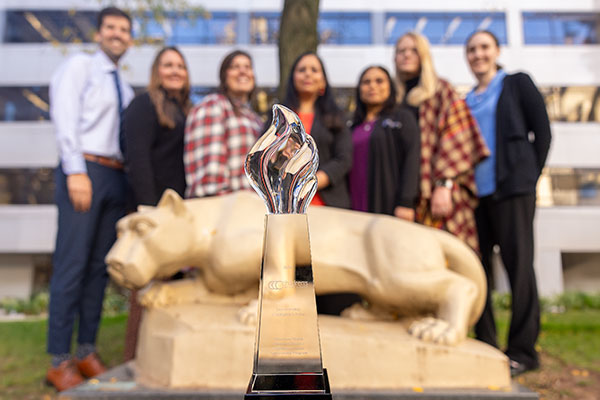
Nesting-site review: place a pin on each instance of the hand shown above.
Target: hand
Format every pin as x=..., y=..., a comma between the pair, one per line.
x=80, y=191
x=441, y=202
x=404, y=213
x=322, y=180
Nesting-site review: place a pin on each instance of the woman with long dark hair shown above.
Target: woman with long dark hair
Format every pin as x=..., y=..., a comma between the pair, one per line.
x=310, y=96
x=385, y=171
x=153, y=127
x=512, y=116
x=221, y=130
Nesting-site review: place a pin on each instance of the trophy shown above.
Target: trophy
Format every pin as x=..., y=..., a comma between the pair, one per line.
x=281, y=167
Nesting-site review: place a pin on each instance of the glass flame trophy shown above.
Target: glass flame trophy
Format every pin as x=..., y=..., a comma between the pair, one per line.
x=281, y=167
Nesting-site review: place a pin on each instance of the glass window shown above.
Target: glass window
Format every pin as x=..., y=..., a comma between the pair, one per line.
x=33, y=26
x=186, y=28
x=561, y=28
x=569, y=187
x=333, y=28
x=344, y=28
x=27, y=186
x=79, y=26
x=24, y=103
x=573, y=103
x=444, y=28
x=264, y=28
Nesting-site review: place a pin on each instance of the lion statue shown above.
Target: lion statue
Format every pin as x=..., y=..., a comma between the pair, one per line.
x=400, y=268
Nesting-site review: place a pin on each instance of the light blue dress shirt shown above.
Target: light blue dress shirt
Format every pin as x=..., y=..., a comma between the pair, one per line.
x=483, y=107
x=84, y=108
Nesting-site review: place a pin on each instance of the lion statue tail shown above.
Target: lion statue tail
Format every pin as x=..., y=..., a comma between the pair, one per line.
x=461, y=259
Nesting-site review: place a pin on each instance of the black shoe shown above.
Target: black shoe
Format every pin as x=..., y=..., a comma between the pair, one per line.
x=517, y=368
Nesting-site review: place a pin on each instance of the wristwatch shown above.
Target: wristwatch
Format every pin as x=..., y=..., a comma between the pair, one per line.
x=447, y=183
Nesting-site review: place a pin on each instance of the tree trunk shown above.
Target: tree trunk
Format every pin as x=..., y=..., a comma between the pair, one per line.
x=297, y=34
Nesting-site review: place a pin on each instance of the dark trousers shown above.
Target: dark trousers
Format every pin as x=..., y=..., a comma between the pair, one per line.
x=508, y=223
x=79, y=274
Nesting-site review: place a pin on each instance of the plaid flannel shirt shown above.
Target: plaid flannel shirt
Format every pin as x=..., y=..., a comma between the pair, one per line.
x=451, y=146
x=216, y=143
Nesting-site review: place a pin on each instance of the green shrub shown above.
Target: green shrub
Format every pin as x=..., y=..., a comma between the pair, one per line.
x=115, y=303
x=566, y=301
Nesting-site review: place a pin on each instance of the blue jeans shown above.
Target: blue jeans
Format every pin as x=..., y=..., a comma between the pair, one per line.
x=79, y=274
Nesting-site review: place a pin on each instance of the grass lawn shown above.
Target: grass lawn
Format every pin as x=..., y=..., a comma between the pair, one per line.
x=571, y=338
x=23, y=358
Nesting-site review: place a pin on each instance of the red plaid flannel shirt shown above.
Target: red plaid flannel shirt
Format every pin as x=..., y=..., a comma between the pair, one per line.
x=216, y=144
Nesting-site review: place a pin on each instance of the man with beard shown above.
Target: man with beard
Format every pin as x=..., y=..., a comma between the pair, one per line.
x=87, y=96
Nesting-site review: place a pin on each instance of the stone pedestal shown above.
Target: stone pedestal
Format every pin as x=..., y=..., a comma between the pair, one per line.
x=204, y=346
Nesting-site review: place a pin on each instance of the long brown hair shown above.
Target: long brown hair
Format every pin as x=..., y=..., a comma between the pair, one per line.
x=225, y=64
x=428, y=79
x=167, y=110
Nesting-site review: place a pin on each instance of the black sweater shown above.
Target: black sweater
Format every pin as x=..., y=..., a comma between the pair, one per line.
x=154, y=160
x=522, y=136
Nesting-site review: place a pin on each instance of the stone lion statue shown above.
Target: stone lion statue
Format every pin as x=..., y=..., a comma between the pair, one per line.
x=400, y=268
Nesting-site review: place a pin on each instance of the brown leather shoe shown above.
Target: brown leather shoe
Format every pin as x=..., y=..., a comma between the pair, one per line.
x=65, y=376
x=91, y=366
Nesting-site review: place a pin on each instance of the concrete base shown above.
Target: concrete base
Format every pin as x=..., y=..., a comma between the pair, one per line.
x=205, y=346
x=120, y=384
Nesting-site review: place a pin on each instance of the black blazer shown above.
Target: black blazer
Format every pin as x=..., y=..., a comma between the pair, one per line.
x=335, y=159
x=394, y=162
x=522, y=136
x=154, y=159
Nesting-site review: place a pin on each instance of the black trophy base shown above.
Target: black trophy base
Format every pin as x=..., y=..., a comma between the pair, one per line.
x=289, y=387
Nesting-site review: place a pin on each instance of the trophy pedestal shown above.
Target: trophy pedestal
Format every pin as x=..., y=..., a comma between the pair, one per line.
x=289, y=386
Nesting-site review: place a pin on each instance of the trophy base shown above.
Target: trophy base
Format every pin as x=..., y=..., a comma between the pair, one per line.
x=308, y=386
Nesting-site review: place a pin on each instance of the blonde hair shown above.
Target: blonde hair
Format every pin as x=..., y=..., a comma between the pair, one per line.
x=428, y=79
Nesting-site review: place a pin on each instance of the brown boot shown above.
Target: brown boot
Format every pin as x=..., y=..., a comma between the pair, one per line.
x=65, y=376
x=91, y=366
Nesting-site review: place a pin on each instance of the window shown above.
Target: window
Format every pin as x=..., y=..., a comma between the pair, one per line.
x=444, y=28
x=187, y=28
x=24, y=103
x=264, y=28
x=561, y=28
x=79, y=26
x=344, y=28
x=50, y=26
x=333, y=27
x=569, y=187
x=27, y=186
x=573, y=103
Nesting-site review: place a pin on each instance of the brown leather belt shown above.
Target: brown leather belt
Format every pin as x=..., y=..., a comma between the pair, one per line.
x=105, y=161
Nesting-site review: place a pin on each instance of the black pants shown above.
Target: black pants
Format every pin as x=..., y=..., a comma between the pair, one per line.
x=508, y=223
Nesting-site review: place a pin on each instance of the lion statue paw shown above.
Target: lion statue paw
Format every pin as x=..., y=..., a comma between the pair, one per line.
x=434, y=330
x=248, y=314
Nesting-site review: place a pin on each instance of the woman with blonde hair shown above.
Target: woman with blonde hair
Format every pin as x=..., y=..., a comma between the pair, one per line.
x=451, y=144
x=152, y=131
x=153, y=127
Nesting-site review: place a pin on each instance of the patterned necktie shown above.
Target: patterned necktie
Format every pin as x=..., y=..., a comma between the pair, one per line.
x=115, y=75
